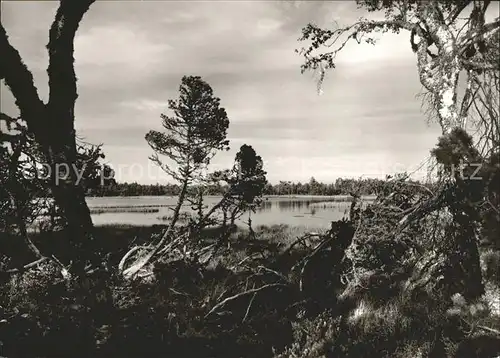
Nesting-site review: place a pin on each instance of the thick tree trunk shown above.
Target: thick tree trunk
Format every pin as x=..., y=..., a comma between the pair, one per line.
x=458, y=265
x=79, y=226
x=439, y=75
x=61, y=145
x=53, y=124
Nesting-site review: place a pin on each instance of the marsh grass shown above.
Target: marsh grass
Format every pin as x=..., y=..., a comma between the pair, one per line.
x=281, y=233
x=182, y=219
x=166, y=317
x=123, y=209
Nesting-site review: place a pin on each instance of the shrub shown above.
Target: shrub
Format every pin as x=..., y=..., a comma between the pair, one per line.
x=490, y=265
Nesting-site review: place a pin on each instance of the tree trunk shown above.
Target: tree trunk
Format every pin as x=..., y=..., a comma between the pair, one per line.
x=439, y=75
x=177, y=210
x=132, y=271
x=53, y=124
x=79, y=226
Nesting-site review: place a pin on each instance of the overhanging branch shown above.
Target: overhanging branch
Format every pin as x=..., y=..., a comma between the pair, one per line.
x=20, y=81
x=461, y=5
x=487, y=30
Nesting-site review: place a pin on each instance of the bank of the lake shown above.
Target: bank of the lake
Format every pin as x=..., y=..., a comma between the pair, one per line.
x=311, y=211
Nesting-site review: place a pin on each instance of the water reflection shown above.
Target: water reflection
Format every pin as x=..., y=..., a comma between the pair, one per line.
x=291, y=205
x=299, y=211
x=300, y=205
x=316, y=213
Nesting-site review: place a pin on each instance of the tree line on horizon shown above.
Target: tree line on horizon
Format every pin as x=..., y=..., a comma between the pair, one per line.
x=342, y=186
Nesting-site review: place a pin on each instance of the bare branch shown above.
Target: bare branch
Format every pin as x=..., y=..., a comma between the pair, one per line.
x=248, y=308
x=7, y=119
x=28, y=266
x=461, y=5
x=488, y=329
x=242, y=294
x=20, y=81
x=488, y=29
x=320, y=37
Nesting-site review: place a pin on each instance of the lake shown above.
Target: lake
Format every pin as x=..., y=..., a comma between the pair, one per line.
x=308, y=211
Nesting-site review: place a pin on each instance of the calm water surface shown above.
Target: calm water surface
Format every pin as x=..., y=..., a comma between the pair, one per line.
x=309, y=211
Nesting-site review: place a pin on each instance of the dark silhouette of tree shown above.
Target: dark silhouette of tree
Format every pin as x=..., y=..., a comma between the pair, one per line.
x=95, y=175
x=193, y=136
x=25, y=197
x=251, y=178
x=52, y=123
x=246, y=183
x=21, y=190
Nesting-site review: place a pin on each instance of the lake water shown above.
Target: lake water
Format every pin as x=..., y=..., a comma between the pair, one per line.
x=308, y=211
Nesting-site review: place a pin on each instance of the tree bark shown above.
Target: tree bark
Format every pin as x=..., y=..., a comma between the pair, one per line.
x=439, y=75
x=53, y=124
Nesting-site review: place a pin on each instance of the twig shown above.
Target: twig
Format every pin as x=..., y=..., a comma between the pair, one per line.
x=222, y=293
x=179, y=293
x=64, y=270
x=241, y=294
x=242, y=261
x=317, y=249
x=273, y=271
x=249, y=306
x=171, y=245
x=489, y=329
x=299, y=240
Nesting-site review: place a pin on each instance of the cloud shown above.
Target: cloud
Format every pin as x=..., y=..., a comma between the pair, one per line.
x=146, y=105
x=106, y=46
x=131, y=56
x=266, y=27
x=180, y=17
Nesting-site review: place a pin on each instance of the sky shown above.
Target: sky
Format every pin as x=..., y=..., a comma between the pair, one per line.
x=130, y=57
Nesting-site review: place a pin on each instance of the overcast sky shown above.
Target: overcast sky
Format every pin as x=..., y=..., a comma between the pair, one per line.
x=130, y=57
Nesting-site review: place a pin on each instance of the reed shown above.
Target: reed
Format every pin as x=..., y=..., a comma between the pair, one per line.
x=130, y=209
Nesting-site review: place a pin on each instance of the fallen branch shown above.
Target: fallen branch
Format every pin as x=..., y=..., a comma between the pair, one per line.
x=133, y=270
x=28, y=266
x=280, y=275
x=242, y=294
x=127, y=255
x=249, y=307
x=315, y=251
x=489, y=329
x=243, y=261
x=205, y=249
x=167, y=248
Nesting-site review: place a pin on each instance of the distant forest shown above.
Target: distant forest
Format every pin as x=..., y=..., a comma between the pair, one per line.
x=368, y=186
